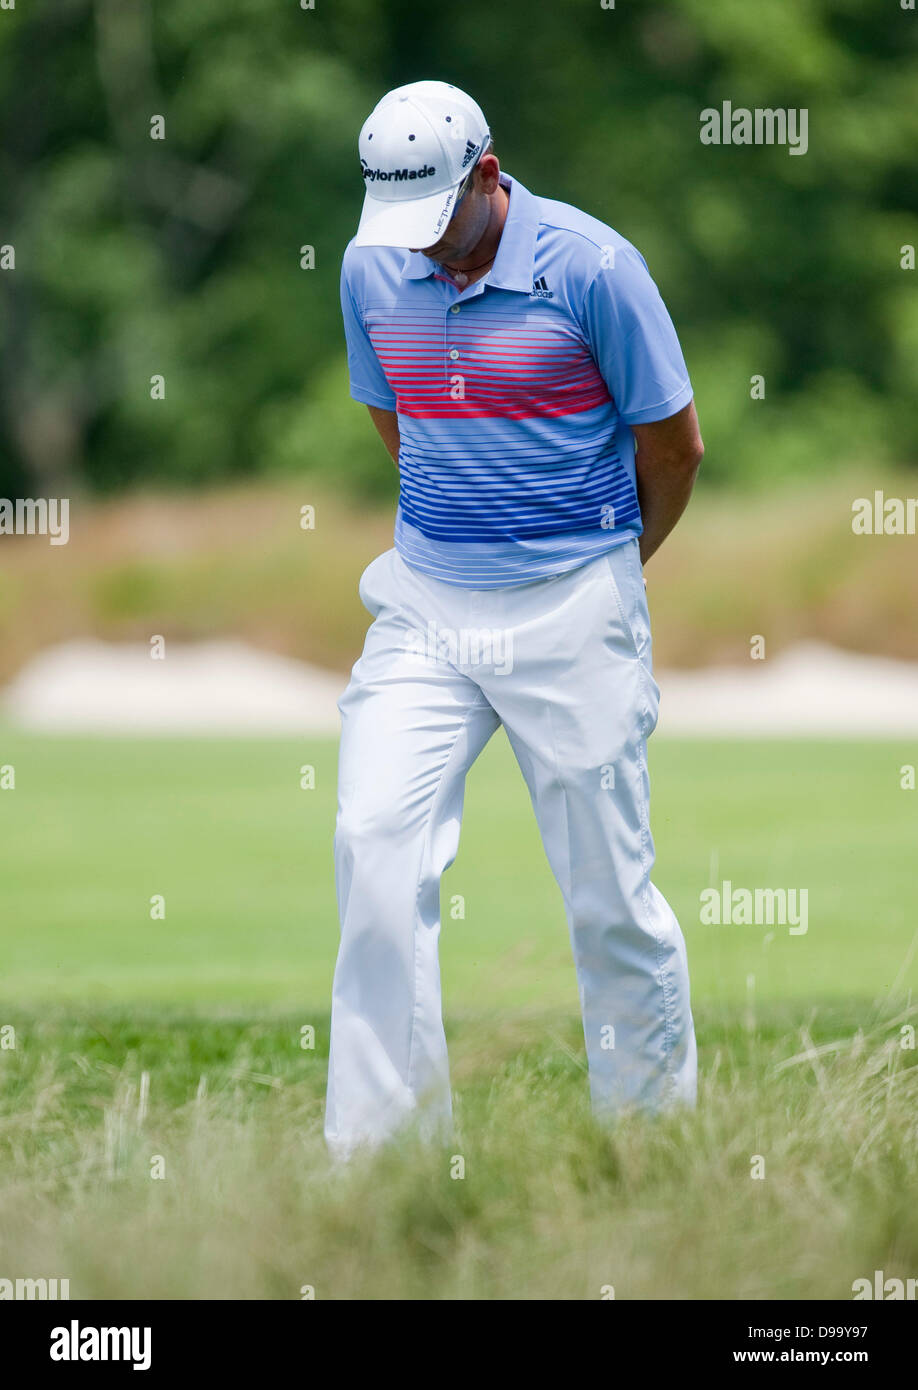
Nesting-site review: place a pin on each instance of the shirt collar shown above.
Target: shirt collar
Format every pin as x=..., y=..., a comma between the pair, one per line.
x=513, y=265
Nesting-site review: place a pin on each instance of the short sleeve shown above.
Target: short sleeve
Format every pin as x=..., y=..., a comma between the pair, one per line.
x=368, y=380
x=633, y=341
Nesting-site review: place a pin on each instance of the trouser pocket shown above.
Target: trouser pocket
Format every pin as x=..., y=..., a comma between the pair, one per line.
x=626, y=580
x=369, y=590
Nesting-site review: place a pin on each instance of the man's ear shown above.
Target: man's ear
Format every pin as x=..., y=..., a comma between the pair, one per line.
x=488, y=173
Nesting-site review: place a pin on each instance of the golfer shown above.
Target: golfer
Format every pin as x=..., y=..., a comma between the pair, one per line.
x=524, y=374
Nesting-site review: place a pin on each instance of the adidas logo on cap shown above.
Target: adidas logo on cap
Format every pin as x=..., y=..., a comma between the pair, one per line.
x=470, y=150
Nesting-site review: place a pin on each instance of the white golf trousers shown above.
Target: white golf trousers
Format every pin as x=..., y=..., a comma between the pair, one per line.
x=564, y=664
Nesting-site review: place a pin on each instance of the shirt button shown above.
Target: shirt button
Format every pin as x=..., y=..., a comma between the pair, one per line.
x=453, y=354
x=454, y=309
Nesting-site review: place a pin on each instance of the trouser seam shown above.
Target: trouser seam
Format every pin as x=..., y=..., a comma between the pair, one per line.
x=424, y=847
x=643, y=722
x=645, y=903
x=668, y=1024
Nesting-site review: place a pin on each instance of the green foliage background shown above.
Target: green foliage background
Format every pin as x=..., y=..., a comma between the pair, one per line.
x=182, y=256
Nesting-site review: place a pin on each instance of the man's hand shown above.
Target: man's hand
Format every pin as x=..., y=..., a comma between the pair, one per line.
x=386, y=421
x=666, y=462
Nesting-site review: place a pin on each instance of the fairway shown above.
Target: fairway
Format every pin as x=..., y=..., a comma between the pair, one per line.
x=241, y=854
x=160, y=1118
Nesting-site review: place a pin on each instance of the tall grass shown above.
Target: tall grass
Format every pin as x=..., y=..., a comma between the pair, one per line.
x=551, y=1206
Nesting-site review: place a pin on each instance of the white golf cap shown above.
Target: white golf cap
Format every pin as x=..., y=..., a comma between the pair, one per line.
x=416, y=148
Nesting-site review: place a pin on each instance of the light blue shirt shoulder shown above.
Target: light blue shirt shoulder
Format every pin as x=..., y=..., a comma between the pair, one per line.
x=612, y=295
x=364, y=269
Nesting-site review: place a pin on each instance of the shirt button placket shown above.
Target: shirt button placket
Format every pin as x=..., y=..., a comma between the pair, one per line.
x=452, y=354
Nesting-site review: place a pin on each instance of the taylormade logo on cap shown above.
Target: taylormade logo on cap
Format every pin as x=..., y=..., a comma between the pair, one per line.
x=398, y=174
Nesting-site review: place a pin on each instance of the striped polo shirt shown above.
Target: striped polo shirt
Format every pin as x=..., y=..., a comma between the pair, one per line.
x=514, y=396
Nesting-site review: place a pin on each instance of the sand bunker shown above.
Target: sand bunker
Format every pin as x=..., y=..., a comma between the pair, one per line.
x=810, y=689
x=231, y=688
x=206, y=688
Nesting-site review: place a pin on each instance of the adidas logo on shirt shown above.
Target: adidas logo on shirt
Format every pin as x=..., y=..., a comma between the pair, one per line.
x=540, y=289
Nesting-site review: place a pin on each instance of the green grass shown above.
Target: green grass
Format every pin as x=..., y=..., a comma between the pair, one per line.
x=549, y=1206
x=800, y=1037
x=243, y=858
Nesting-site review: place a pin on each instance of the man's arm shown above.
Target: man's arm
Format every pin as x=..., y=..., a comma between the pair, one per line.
x=666, y=462
x=386, y=421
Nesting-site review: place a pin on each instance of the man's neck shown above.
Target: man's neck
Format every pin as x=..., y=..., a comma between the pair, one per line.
x=483, y=253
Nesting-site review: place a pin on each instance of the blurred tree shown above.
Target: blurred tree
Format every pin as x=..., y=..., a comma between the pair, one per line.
x=180, y=257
